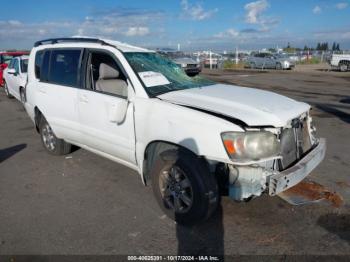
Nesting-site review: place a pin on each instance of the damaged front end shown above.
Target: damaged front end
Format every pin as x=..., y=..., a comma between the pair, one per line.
x=299, y=152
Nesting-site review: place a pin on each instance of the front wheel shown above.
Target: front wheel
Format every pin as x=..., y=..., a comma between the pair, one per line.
x=183, y=186
x=52, y=144
x=7, y=92
x=343, y=67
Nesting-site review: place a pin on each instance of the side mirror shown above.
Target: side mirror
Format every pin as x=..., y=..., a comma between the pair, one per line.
x=118, y=111
x=11, y=71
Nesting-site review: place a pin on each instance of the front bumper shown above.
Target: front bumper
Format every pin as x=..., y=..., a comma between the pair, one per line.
x=288, y=178
x=288, y=66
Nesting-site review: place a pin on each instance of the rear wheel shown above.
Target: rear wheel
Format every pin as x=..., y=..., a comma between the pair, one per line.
x=7, y=91
x=51, y=143
x=183, y=186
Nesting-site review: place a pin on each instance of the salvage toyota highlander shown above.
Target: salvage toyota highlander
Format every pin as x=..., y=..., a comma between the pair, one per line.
x=192, y=139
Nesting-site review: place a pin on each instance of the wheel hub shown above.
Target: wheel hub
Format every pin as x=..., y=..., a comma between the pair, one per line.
x=48, y=137
x=176, y=189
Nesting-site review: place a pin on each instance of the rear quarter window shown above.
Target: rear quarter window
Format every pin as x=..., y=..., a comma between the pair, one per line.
x=38, y=61
x=44, y=67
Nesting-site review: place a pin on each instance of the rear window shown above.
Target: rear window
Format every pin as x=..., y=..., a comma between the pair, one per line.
x=44, y=67
x=64, y=67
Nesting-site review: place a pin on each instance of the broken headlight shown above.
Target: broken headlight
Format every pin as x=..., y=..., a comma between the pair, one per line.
x=250, y=145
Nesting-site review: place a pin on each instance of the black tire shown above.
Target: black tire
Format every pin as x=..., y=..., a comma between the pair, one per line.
x=6, y=89
x=51, y=143
x=202, y=189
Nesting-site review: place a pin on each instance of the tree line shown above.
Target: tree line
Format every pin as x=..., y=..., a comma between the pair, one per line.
x=324, y=47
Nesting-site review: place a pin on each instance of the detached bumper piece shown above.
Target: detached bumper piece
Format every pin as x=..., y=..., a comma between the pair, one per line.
x=290, y=177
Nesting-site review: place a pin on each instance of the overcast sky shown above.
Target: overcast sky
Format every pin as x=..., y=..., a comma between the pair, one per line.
x=216, y=25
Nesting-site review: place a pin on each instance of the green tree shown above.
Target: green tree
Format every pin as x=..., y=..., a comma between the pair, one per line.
x=334, y=46
x=337, y=48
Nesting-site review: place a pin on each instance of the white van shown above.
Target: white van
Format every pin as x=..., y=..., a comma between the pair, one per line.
x=191, y=138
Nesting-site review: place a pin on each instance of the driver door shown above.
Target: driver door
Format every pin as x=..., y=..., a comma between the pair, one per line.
x=104, y=93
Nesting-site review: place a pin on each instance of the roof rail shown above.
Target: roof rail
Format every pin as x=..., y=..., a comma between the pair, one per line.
x=70, y=39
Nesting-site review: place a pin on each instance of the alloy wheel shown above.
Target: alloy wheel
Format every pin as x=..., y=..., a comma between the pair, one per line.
x=343, y=67
x=23, y=99
x=49, y=138
x=176, y=189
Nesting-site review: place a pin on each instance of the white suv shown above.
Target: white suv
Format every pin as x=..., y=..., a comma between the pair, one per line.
x=193, y=139
x=15, y=77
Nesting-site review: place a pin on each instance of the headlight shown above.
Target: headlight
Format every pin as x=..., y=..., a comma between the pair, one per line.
x=250, y=146
x=183, y=65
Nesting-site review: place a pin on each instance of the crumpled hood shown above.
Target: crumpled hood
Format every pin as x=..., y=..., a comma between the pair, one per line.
x=252, y=106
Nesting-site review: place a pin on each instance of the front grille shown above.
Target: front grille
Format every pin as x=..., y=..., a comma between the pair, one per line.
x=295, y=142
x=191, y=65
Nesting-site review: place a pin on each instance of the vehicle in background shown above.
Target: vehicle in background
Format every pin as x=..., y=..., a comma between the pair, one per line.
x=190, y=66
x=5, y=58
x=290, y=56
x=192, y=139
x=269, y=61
x=340, y=62
x=15, y=77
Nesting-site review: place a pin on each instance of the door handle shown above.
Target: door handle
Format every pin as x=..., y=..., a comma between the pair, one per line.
x=84, y=99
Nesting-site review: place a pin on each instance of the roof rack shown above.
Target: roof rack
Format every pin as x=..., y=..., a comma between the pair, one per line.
x=70, y=39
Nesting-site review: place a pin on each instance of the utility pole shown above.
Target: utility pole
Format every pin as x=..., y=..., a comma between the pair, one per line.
x=210, y=61
x=236, y=57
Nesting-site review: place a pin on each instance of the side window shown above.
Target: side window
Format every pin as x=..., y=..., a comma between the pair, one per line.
x=16, y=65
x=44, y=67
x=64, y=67
x=38, y=61
x=24, y=65
x=104, y=75
x=10, y=66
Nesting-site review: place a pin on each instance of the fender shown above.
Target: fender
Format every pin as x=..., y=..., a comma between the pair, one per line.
x=194, y=130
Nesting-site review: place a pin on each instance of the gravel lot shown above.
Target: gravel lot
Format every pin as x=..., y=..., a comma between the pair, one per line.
x=85, y=204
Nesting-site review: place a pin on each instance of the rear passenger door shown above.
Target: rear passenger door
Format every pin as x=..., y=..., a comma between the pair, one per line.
x=105, y=91
x=58, y=72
